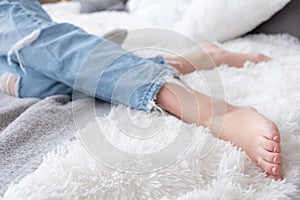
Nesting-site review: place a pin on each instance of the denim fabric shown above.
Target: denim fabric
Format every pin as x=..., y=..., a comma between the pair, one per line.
x=56, y=58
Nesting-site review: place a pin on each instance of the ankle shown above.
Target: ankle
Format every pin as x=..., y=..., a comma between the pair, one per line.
x=215, y=53
x=212, y=108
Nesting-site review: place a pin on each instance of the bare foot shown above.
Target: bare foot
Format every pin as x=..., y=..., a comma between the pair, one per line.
x=221, y=56
x=243, y=126
x=255, y=134
x=208, y=56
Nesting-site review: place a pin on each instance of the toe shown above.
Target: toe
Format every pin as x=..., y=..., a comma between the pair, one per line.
x=276, y=138
x=272, y=132
x=274, y=135
x=259, y=57
x=270, y=157
x=270, y=145
x=270, y=168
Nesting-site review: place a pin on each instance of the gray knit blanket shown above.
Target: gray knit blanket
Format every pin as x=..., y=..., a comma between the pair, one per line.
x=29, y=129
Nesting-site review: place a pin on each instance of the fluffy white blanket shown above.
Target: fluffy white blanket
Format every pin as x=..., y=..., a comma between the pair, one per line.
x=225, y=173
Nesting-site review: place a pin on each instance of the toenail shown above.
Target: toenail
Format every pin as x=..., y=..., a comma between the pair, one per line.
x=275, y=138
x=274, y=170
x=274, y=160
x=275, y=149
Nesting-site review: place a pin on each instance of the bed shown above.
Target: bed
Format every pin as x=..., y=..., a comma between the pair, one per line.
x=44, y=157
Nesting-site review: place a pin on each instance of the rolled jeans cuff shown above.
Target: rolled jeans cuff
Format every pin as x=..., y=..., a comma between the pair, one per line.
x=122, y=77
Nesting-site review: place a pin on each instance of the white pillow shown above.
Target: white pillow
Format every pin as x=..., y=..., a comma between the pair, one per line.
x=220, y=20
x=163, y=13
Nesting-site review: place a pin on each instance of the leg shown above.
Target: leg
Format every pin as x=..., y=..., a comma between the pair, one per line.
x=243, y=126
x=208, y=56
x=71, y=57
x=18, y=19
x=15, y=83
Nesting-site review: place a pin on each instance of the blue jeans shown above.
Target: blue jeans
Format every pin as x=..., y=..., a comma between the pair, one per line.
x=39, y=58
